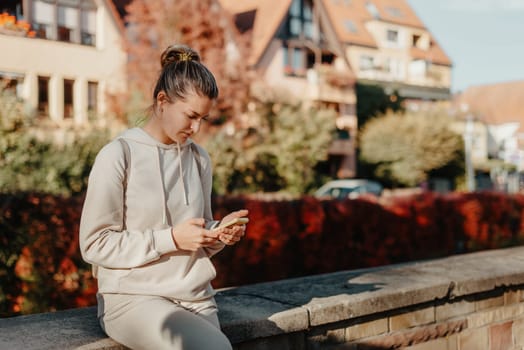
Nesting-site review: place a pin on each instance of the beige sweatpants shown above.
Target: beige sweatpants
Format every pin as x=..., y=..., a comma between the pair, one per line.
x=153, y=322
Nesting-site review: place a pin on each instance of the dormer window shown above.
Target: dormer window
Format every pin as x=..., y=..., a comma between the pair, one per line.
x=372, y=9
x=392, y=36
x=416, y=40
x=394, y=12
x=350, y=26
x=300, y=22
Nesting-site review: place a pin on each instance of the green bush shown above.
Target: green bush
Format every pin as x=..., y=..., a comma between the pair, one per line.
x=406, y=148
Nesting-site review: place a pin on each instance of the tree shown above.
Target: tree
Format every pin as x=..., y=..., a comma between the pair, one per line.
x=372, y=101
x=405, y=148
x=29, y=163
x=280, y=149
x=205, y=26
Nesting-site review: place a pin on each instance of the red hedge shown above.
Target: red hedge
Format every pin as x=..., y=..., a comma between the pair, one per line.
x=41, y=268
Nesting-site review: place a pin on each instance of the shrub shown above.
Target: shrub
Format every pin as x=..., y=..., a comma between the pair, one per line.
x=41, y=268
x=28, y=163
x=405, y=148
x=279, y=149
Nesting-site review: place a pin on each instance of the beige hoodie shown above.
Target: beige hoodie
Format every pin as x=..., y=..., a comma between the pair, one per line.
x=126, y=232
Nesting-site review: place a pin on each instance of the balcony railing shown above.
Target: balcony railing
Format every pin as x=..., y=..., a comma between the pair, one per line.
x=330, y=84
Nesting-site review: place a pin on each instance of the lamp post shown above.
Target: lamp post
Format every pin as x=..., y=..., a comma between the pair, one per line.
x=468, y=145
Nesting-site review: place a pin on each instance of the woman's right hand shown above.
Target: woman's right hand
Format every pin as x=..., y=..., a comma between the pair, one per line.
x=191, y=235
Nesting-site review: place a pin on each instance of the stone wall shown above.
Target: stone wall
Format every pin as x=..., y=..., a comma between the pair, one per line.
x=464, y=302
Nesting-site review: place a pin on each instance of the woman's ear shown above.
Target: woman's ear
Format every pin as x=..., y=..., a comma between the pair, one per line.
x=161, y=98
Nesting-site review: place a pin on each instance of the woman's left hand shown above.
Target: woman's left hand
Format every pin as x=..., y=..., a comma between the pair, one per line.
x=233, y=234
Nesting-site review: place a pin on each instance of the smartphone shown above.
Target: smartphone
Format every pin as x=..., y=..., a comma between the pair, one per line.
x=236, y=221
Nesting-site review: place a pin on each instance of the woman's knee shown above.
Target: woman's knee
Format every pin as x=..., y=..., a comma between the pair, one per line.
x=194, y=332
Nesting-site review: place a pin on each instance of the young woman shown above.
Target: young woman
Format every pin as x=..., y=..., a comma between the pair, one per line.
x=147, y=226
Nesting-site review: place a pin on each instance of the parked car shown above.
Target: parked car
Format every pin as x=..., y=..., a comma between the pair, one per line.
x=349, y=188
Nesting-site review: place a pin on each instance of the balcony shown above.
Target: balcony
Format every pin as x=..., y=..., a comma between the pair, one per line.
x=326, y=83
x=9, y=25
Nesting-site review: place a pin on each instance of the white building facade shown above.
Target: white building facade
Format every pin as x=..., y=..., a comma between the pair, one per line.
x=69, y=62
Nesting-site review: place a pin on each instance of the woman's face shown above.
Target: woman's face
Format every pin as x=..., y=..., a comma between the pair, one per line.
x=182, y=118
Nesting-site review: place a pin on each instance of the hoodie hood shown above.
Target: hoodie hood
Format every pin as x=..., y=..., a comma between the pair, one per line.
x=140, y=136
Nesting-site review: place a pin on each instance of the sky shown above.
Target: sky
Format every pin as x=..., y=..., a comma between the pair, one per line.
x=483, y=38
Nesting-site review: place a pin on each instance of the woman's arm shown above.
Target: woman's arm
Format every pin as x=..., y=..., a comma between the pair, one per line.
x=104, y=241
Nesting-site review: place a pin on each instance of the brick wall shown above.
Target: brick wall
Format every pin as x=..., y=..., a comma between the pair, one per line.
x=484, y=321
x=482, y=310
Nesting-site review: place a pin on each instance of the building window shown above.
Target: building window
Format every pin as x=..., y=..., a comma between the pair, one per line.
x=67, y=23
x=11, y=82
x=43, y=96
x=388, y=65
x=300, y=22
x=394, y=12
x=417, y=69
x=68, y=98
x=308, y=20
x=366, y=62
x=65, y=20
x=372, y=9
x=88, y=27
x=392, y=36
x=294, y=61
x=92, y=97
x=43, y=19
x=350, y=26
x=416, y=40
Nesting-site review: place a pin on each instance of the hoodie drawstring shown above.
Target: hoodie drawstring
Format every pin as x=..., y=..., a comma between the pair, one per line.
x=164, y=204
x=181, y=173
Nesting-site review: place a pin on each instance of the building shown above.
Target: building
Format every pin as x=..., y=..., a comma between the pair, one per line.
x=387, y=44
x=499, y=108
x=319, y=49
x=293, y=46
x=63, y=57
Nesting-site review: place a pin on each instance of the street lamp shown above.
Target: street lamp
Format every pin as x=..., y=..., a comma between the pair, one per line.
x=468, y=145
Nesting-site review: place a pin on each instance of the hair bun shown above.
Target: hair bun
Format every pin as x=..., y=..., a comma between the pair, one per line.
x=178, y=53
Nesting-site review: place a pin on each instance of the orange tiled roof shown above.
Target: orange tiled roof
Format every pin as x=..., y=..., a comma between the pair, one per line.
x=399, y=12
x=234, y=6
x=269, y=15
x=393, y=11
x=342, y=14
x=495, y=103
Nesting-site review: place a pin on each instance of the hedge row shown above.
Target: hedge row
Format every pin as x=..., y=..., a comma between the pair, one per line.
x=41, y=268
